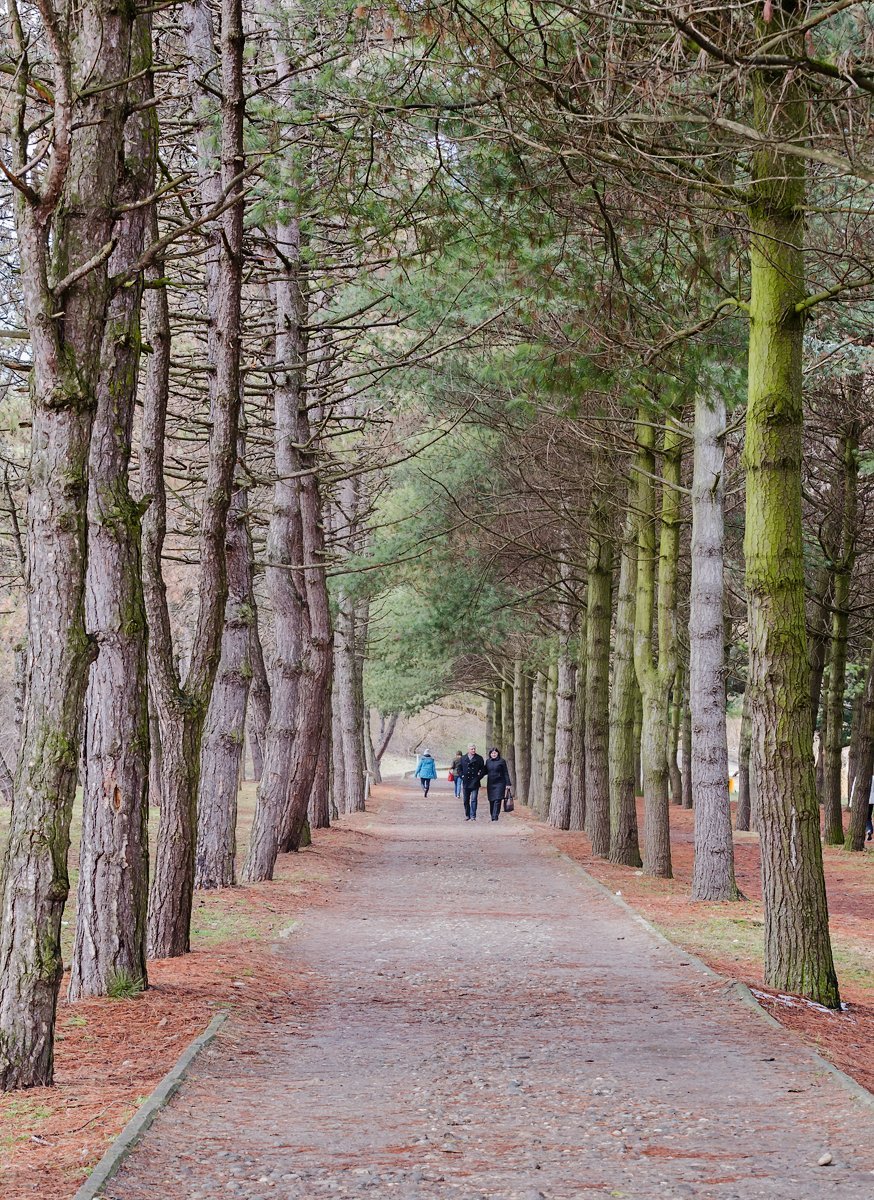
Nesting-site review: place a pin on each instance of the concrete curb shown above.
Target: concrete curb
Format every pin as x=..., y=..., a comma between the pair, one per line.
x=740, y=990
x=92, y=1188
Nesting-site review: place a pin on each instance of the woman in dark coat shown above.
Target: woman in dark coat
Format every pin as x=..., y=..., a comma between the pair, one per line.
x=497, y=775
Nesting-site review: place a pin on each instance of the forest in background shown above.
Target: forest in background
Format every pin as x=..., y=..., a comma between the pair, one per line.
x=354, y=357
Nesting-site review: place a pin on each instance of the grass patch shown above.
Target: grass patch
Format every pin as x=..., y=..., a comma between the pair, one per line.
x=123, y=985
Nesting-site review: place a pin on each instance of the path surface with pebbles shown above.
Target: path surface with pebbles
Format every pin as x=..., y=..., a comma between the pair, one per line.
x=482, y=1021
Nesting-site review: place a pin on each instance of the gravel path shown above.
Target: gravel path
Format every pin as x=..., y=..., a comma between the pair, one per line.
x=488, y=1024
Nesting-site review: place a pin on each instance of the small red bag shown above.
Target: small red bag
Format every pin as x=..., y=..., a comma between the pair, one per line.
x=451, y=777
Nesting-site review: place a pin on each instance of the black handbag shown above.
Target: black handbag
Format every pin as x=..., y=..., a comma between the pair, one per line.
x=508, y=800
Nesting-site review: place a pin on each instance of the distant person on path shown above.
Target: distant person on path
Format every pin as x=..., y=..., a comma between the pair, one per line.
x=457, y=776
x=497, y=781
x=426, y=771
x=472, y=770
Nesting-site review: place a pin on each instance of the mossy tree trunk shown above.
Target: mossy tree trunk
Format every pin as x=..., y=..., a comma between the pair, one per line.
x=861, y=793
x=295, y=576
x=798, y=955
x=110, y=941
x=61, y=227
x=521, y=732
x=550, y=721
x=221, y=755
x=338, y=759
x=319, y=808
x=538, y=725
x=565, y=688
x=577, y=820
x=744, y=780
x=508, y=732
x=818, y=609
x=624, y=847
x=656, y=670
x=182, y=703
x=598, y=614
x=258, y=710
x=844, y=560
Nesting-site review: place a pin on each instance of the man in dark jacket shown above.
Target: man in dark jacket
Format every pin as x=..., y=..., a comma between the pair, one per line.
x=473, y=768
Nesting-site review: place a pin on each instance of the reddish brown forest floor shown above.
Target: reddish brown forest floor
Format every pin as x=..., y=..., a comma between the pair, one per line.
x=111, y=1053
x=729, y=936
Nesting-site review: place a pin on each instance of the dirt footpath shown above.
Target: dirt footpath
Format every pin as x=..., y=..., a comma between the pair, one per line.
x=483, y=1022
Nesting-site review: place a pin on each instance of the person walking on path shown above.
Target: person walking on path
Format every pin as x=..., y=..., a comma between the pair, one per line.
x=426, y=771
x=497, y=781
x=472, y=770
x=457, y=777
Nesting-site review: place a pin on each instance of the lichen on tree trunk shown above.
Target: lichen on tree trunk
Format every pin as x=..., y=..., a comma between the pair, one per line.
x=565, y=687
x=521, y=734
x=110, y=941
x=844, y=559
x=59, y=230
x=624, y=847
x=182, y=703
x=656, y=672
x=798, y=955
x=598, y=614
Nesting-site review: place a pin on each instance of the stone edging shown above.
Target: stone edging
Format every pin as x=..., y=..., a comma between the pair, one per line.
x=93, y=1186
x=740, y=990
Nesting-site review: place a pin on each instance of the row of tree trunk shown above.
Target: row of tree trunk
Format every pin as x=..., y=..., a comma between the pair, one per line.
x=103, y=673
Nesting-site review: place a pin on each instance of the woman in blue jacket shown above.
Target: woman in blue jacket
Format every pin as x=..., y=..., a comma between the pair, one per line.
x=426, y=770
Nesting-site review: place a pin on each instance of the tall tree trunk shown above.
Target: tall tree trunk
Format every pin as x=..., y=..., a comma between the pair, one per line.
x=560, y=795
x=508, y=733
x=345, y=637
x=538, y=726
x=369, y=754
x=156, y=769
x=713, y=872
x=370, y=751
x=338, y=761
x=833, y=830
x=578, y=734
x=221, y=758
x=110, y=940
x=675, y=778
x=798, y=955
x=498, y=709
x=182, y=704
x=550, y=724
x=860, y=797
x=655, y=675
x=744, y=790
x=490, y=720
x=686, y=753
x=385, y=740
x=637, y=738
x=295, y=576
x=258, y=711
x=624, y=848
x=598, y=613
x=320, y=795
x=65, y=226
x=853, y=751
x=818, y=635
x=520, y=732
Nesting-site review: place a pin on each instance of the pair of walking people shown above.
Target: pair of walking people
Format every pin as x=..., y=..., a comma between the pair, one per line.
x=469, y=770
